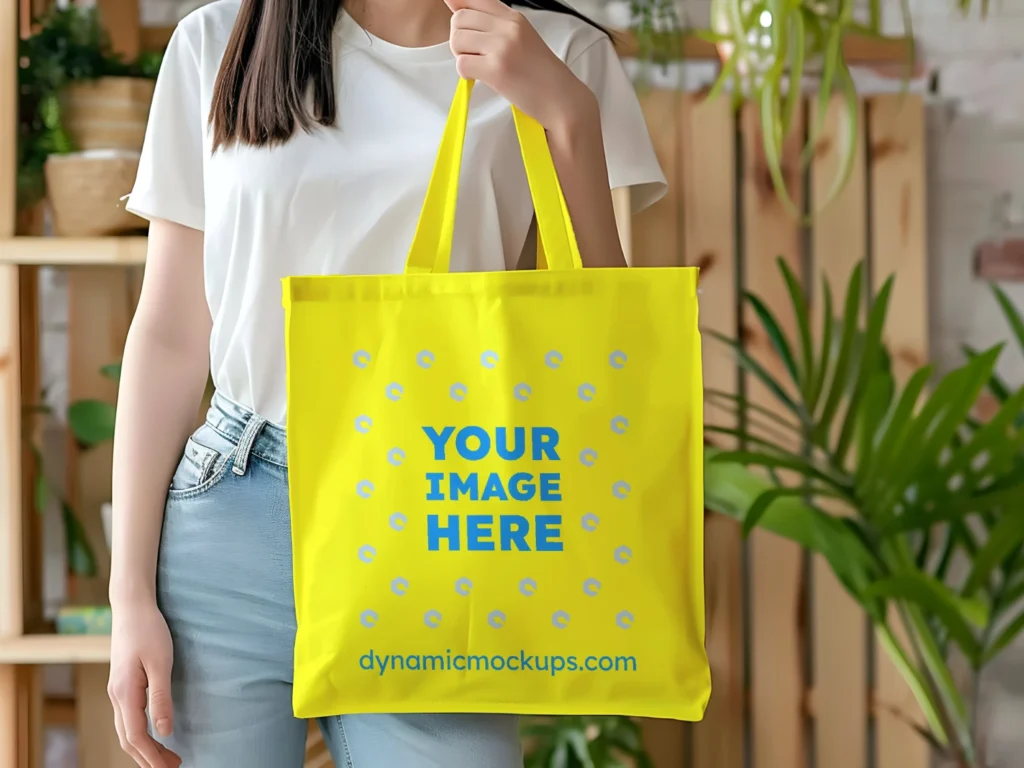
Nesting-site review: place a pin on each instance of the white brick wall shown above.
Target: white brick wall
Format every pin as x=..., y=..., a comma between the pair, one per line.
x=975, y=153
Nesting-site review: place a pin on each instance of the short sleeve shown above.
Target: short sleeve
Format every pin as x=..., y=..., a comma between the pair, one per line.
x=627, y=142
x=169, y=183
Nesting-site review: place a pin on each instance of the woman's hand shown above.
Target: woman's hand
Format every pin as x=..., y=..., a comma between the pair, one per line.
x=140, y=664
x=496, y=45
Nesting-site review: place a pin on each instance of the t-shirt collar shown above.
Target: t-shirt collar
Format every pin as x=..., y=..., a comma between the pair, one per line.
x=352, y=33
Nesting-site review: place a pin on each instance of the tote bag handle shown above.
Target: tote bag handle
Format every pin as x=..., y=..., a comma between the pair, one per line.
x=432, y=245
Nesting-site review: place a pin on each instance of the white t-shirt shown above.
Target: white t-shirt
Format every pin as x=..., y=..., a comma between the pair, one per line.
x=345, y=200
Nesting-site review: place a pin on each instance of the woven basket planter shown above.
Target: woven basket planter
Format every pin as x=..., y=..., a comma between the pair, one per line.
x=85, y=191
x=109, y=113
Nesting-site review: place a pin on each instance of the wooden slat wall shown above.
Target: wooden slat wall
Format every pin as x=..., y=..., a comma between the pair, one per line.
x=708, y=158
x=654, y=241
x=897, y=178
x=776, y=598
x=839, y=637
x=805, y=700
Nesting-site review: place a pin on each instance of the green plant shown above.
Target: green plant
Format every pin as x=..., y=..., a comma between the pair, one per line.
x=91, y=422
x=1000, y=389
x=917, y=506
x=81, y=559
x=69, y=45
x=767, y=44
x=584, y=742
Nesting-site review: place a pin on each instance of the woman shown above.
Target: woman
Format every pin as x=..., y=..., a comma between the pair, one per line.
x=297, y=137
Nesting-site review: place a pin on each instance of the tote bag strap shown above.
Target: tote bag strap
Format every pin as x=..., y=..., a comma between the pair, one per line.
x=432, y=245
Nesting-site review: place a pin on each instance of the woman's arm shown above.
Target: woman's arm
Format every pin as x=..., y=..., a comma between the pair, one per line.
x=577, y=147
x=163, y=376
x=496, y=45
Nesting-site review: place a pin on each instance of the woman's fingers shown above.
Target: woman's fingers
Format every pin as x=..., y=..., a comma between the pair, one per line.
x=122, y=739
x=474, y=67
x=161, y=709
x=469, y=41
x=491, y=7
x=469, y=19
x=133, y=712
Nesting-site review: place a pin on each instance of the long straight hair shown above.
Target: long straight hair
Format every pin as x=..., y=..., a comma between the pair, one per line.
x=277, y=74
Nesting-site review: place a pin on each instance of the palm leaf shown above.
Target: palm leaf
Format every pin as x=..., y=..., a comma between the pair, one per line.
x=738, y=403
x=1004, y=640
x=989, y=451
x=1000, y=390
x=750, y=364
x=772, y=495
x=1006, y=536
x=868, y=365
x=876, y=403
x=763, y=438
x=775, y=336
x=930, y=431
x=803, y=322
x=915, y=680
x=731, y=490
x=956, y=614
x=838, y=387
x=1013, y=317
x=825, y=356
x=781, y=459
x=1009, y=598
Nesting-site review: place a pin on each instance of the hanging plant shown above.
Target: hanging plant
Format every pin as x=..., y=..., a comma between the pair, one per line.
x=767, y=47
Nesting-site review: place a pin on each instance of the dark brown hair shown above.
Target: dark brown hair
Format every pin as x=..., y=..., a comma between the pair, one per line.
x=277, y=74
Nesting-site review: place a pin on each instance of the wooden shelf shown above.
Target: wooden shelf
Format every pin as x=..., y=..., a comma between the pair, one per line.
x=55, y=649
x=73, y=251
x=858, y=50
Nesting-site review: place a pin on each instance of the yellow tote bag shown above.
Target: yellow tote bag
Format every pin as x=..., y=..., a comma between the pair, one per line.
x=496, y=478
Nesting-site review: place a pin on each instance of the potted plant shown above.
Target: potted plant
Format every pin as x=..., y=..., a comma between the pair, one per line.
x=69, y=81
x=583, y=742
x=921, y=483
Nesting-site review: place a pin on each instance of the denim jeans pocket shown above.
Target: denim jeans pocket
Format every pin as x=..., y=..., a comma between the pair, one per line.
x=204, y=463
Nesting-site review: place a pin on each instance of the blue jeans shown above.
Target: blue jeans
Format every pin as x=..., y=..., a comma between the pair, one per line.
x=224, y=584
